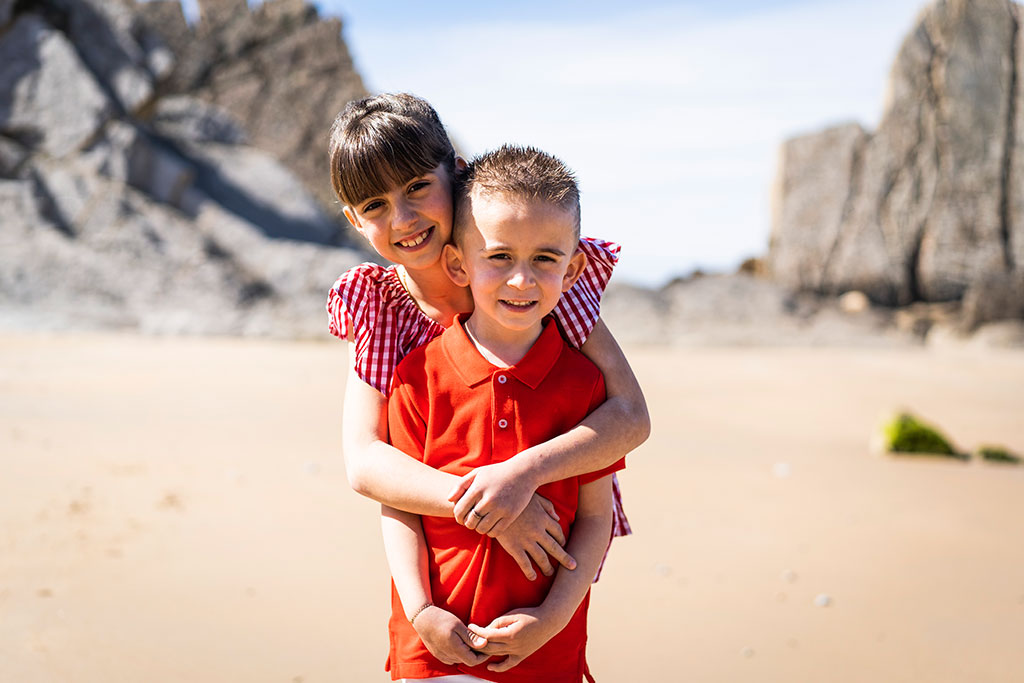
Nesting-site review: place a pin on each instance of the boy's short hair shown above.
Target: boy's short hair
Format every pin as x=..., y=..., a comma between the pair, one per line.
x=518, y=173
x=385, y=140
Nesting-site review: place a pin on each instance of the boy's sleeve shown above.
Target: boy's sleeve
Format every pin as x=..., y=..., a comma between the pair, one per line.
x=407, y=428
x=597, y=397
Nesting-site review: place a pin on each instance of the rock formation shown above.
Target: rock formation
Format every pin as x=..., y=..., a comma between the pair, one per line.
x=279, y=70
x=124, y=206
x=929, y=207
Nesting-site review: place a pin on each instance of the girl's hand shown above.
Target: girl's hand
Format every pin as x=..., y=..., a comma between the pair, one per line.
x=489, y=498
x=534, y=535
x=518, y=634
x=447, y=638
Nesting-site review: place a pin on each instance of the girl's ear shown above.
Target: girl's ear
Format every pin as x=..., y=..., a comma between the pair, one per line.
x=353, y=220
x=577, y=262
x=454, y=265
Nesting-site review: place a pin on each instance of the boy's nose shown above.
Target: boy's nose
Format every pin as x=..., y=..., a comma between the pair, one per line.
x=520, y=278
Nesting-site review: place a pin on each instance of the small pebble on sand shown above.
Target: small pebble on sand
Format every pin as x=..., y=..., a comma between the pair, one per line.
x=312, y=468
x=789, y=576
x=822, y=600
x=782, y=470
x=662, y=570
x=747, y=652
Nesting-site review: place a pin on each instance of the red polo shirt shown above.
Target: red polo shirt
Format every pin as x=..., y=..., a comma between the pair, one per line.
x=455, y=411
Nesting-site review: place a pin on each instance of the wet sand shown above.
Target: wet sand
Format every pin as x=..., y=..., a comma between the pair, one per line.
x=176, y=510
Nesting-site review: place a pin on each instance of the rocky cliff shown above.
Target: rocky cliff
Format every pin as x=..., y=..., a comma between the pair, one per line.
x=930, y=206
x=139, y=189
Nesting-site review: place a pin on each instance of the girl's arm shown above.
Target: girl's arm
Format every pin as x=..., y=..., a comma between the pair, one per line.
x=521, y=632
x=444, y=634
x=500, y=492
x=380, y=471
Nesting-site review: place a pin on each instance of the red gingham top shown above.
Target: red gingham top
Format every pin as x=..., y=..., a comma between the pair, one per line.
x=370, y=302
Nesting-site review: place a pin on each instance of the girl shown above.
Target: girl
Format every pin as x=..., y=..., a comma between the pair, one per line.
x=392, y=166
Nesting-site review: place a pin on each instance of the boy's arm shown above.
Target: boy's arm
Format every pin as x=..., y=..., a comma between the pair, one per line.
x=444, y=634
x=618, y=425
x=380, y=471
x=521, y=632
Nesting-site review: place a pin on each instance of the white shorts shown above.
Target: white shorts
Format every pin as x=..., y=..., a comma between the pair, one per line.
x=457, y=678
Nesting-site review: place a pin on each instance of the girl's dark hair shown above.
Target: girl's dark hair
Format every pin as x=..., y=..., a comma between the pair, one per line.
x=385, y=140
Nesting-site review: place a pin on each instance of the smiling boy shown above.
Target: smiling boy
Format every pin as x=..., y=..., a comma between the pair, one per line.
x=499, y=381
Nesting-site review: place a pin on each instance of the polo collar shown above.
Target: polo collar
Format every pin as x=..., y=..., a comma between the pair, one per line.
x=473, y=368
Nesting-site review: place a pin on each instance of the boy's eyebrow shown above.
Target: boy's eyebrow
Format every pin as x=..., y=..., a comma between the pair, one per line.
x=504, y=247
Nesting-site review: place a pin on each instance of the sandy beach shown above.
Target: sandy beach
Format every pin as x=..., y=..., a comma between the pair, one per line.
x=177, y=510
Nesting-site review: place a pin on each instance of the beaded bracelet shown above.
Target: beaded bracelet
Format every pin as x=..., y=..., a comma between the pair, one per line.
x=425, y=605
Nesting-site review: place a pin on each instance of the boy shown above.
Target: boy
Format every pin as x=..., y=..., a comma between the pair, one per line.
x=499, y=381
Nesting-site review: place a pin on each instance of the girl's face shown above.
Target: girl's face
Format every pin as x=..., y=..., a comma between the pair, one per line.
x=410, y=223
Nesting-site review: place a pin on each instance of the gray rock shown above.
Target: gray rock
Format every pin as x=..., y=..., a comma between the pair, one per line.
x=921, y=211
x=993, y=297
x=188, y=119
x=6, y=12
x=104, y=33
x=252, y=184
x=12, y=155
x=48, y=99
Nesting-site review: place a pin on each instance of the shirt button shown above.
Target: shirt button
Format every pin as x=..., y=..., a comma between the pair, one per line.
x=502, y=379
x=503, y=423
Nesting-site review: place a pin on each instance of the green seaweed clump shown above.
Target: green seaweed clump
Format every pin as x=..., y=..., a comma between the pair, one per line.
x=907, y=434
x=998, y=454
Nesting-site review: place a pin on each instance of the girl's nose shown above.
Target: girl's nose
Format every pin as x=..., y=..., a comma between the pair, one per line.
x=404, y=215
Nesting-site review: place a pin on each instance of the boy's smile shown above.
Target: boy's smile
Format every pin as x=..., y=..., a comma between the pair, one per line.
x=517, y=256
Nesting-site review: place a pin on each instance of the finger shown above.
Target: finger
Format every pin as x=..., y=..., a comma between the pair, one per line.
x=559, y=554
x=497, y=633
x=472, y=519
x=476, y=641
x=487, y=522
x=548, y=506
x=464, y=649
x=501, y=527
x=505, y=664
x=540, y=556
x=464, y=483
x=523, y=560
x=554, y=530
x=465, y=505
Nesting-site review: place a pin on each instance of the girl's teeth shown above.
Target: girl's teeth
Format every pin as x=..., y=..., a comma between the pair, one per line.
x=418, y=239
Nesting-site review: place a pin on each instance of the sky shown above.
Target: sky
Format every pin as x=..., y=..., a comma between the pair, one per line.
x=671, y=113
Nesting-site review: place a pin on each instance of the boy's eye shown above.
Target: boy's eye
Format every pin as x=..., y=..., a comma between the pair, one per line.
x=499, y=257
x=546, y=259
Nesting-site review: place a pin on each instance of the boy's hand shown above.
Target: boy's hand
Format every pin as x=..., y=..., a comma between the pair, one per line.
x=447, y=638
x=518, y=634
x=535, y=535
x=489, y=498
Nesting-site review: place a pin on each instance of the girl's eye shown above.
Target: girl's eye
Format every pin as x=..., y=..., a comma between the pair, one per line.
x=370, y=206
x=418, y=185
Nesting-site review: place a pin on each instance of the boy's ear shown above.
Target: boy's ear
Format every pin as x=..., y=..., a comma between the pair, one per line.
x=460, y=163
x=454, y=265
x=577, y=262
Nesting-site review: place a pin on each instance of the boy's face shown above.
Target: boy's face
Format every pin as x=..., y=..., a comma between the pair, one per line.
x=410, y=223
x=517, y=257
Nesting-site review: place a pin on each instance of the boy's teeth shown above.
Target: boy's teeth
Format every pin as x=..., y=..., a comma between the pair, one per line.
x=418, y=239
x=519, y=303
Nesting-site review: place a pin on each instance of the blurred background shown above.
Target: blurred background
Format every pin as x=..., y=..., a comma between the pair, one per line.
x=821, y=209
